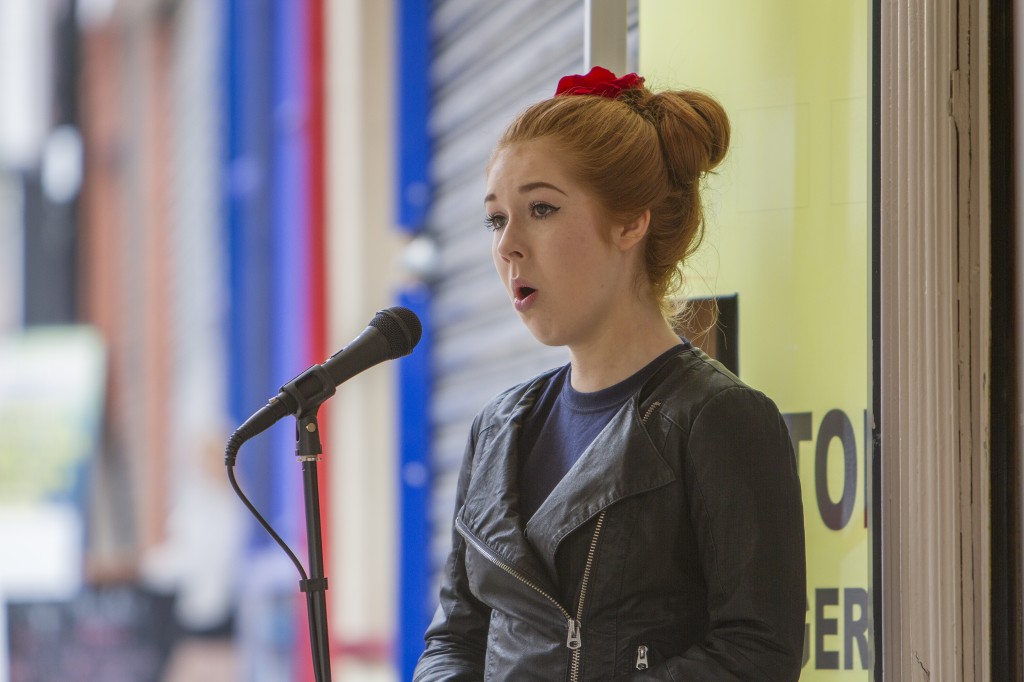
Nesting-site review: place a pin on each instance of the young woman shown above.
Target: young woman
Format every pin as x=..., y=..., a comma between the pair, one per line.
x=636, y=513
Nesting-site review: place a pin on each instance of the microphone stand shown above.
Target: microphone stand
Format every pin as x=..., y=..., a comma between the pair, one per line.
x=392, y=333
x=308, y=450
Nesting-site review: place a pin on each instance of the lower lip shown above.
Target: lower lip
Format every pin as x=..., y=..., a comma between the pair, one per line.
x=524, y=304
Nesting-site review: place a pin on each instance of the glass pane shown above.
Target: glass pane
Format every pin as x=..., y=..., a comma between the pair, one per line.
x=788, y=233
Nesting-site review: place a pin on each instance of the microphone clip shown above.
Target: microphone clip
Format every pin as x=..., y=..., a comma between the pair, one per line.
x=303, y=397
x=308, y=447
x=307, y=392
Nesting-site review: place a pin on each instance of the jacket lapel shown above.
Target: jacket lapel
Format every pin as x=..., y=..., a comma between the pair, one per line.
x=621, y=462
x=491, y=509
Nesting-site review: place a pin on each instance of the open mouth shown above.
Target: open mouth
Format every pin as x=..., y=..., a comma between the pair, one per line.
x=524, y=292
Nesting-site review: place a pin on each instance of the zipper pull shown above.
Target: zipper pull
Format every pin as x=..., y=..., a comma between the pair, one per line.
x=574, y=641
x=641, y=657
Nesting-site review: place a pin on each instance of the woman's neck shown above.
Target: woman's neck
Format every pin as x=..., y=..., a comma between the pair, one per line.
x=620, y=350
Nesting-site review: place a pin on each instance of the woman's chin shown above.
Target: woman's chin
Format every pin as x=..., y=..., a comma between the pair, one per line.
x=545, y=334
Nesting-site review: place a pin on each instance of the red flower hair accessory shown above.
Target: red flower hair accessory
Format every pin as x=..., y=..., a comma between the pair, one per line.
x=599, y=81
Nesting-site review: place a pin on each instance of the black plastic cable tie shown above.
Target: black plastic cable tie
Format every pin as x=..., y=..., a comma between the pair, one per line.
x=313, y=585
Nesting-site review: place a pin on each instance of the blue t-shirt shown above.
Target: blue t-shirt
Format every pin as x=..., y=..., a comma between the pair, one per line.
x=563, y=423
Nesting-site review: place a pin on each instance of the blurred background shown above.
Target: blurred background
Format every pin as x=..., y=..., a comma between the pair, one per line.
x=201, y=198
x=198, y=200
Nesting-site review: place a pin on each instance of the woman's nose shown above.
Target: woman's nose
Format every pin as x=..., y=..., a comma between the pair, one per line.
x=508, y=244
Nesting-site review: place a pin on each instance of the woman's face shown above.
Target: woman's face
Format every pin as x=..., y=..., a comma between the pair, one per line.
x=560, y=255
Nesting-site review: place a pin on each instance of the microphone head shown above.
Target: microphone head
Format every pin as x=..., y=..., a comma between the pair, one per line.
x=401, y=329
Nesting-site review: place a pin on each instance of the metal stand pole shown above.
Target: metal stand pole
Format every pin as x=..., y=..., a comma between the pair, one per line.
x=308, y=450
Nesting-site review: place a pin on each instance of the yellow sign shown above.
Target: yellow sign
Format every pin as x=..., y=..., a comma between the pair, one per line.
x=788, y=231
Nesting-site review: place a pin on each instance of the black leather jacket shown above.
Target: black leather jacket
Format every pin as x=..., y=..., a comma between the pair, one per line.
x=673, y=549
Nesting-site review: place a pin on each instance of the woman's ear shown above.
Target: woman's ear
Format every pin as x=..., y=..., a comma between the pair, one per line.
x=632, y=232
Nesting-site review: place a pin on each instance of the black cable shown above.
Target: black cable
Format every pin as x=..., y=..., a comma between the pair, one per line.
x=229, y=461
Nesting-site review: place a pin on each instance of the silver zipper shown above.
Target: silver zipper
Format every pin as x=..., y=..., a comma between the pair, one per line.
x=574, y=639
x=574, y=674
x=650, y=410
x=641, y=657
x=480, y=547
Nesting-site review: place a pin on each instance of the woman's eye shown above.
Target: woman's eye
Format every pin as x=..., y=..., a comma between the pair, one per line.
x=542, y=210
x=495, y=222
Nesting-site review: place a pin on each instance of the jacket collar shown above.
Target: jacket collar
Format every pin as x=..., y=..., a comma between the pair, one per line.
x=621, y=462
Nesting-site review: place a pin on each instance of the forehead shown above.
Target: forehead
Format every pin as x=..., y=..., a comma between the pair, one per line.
x=525, y=162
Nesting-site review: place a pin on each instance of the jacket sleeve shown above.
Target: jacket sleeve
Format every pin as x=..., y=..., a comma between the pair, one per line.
x=746, y=509
x=456, y=639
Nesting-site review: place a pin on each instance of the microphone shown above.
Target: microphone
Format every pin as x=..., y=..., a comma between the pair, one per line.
x=392, y=333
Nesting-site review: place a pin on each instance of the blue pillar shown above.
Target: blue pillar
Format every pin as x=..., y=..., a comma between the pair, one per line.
x=247, y=220
x=413, y=195
x=415, y=598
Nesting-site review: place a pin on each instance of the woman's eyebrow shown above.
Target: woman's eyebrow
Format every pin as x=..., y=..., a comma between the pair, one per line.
x=523, y=189
x=530, y=186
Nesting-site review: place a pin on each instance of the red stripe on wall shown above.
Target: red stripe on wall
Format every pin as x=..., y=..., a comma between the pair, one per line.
x=318, y=225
